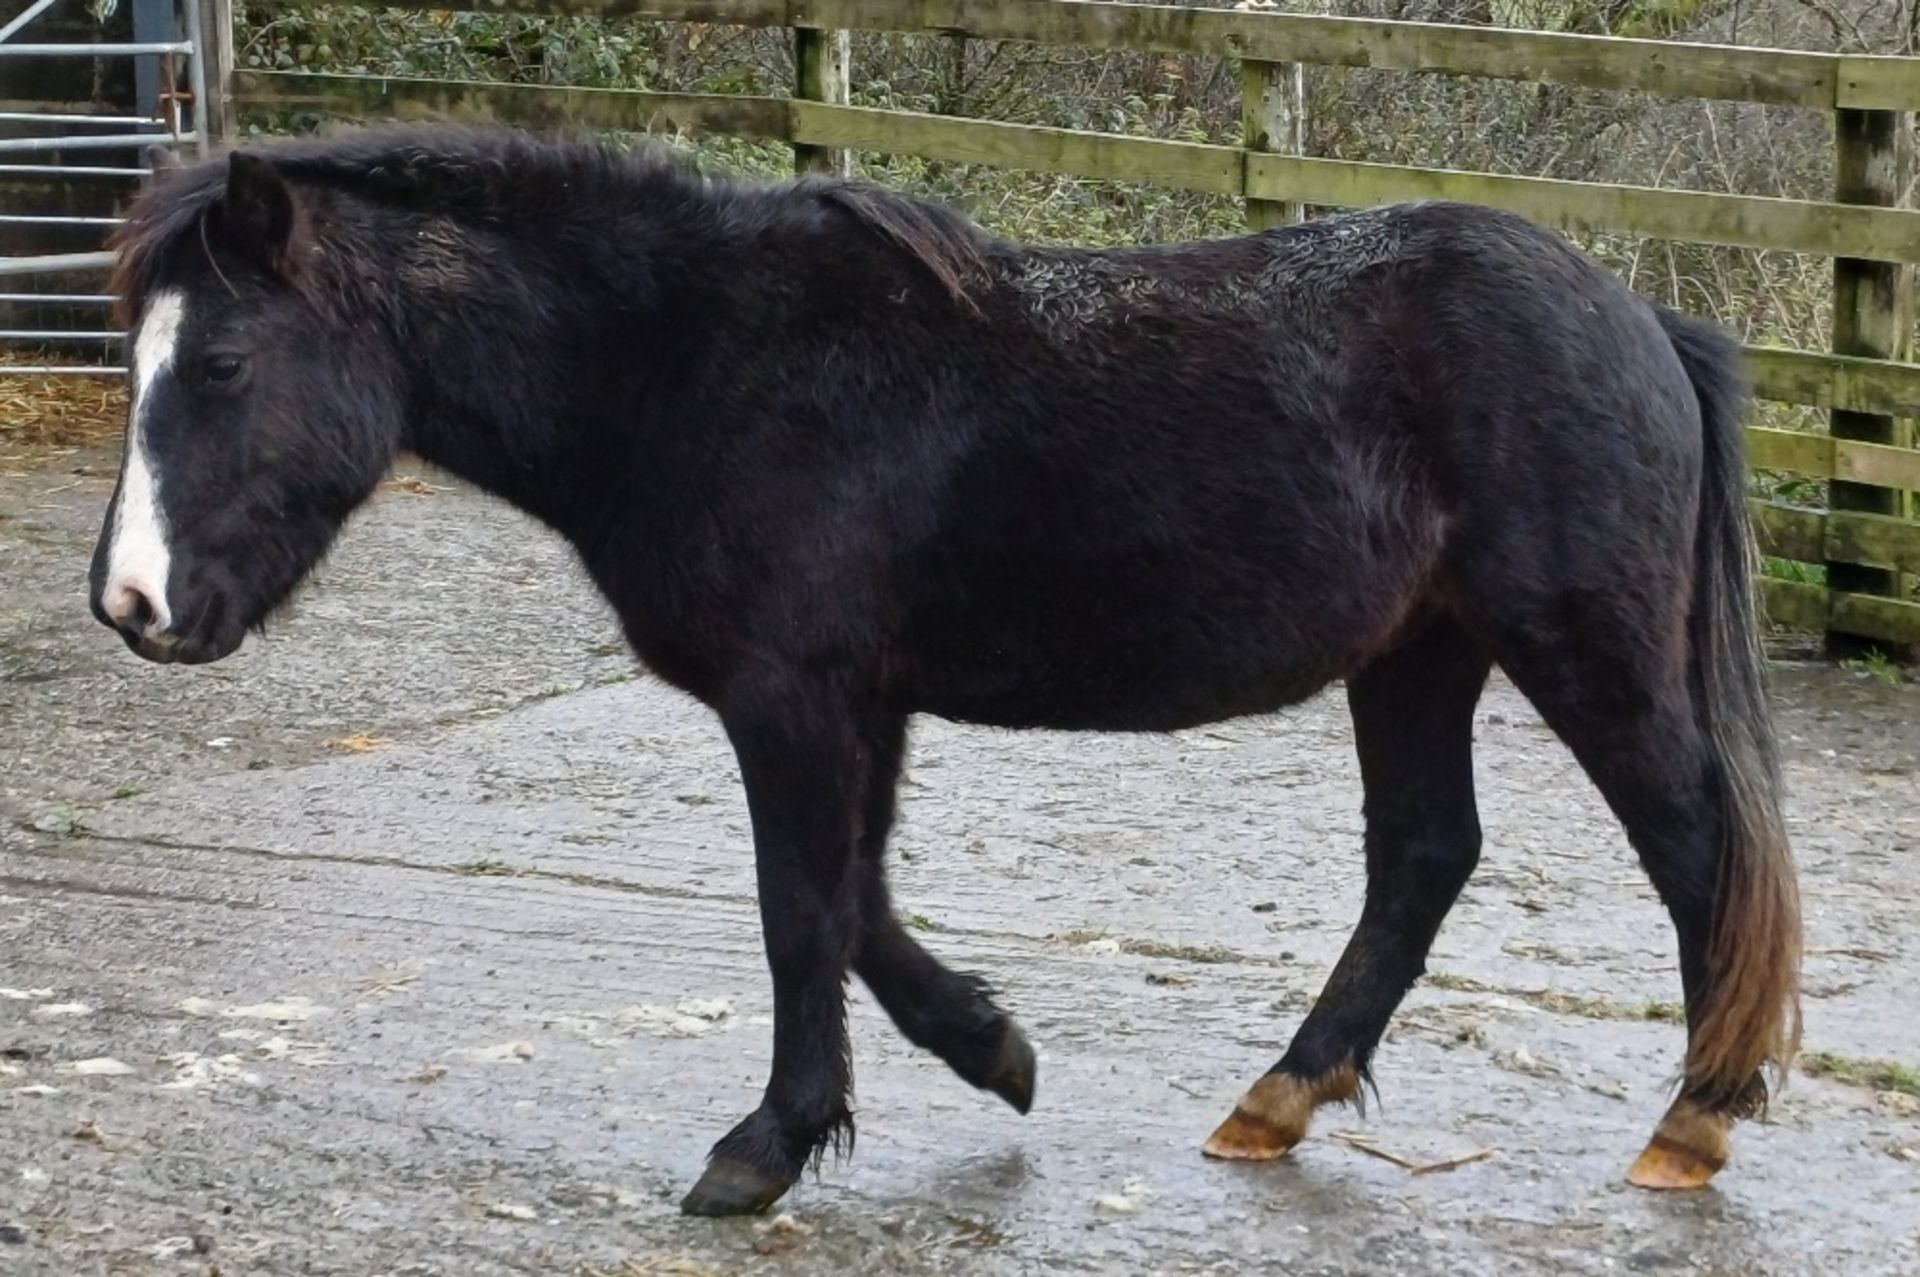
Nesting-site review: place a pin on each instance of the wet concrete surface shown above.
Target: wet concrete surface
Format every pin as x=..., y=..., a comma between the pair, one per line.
x=419, y=938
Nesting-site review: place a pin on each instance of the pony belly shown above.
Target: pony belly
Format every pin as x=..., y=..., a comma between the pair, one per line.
x=1126, y=686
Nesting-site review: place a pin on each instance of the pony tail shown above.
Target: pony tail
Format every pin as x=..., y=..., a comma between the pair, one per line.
x=1750, y=1018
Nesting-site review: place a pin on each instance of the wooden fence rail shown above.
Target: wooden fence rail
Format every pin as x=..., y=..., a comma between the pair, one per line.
x=1867, y=546
x=1821, y=81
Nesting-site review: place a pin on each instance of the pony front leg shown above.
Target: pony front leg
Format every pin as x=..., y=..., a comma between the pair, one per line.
x=802, y=762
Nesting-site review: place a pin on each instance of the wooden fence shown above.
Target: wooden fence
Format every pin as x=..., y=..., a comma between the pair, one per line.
x=1868, y=541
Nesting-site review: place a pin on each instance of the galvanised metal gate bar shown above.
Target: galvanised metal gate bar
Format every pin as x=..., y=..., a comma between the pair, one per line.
x=45, y=138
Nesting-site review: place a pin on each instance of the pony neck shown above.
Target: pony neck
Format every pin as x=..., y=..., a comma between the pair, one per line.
x=531, y=371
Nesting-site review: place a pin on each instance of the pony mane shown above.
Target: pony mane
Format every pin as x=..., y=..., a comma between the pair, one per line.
x=167, y=213
x=500, y=173
x=940, y=239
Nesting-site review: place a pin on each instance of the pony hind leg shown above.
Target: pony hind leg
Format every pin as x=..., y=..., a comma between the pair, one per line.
x=951, y=1014
x=1413, y=725
x=1632, y=719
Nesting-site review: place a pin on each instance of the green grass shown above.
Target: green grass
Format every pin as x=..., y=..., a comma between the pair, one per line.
x=62, y=822
x=1876, y=664
x=1878, y=1075
x=1566, y=1003
x=1794, y=570
x=1457, y=983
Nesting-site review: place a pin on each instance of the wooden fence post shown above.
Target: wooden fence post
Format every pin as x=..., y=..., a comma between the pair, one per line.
x=1273, y=116
x=822, y=63
x=219, y=27
x=1871, y=316
x=216, y=31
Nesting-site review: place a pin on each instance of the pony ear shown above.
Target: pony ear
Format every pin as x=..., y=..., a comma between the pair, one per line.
x=258, y=210
x=162, y=163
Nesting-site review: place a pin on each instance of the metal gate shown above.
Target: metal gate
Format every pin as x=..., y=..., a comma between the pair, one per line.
x=61, y=152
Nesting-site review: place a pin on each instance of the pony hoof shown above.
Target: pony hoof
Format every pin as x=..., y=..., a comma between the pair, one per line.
x=1663, y=1167
x=1272, y=1117
x=1015, y=1072
x=1244, y=1137
x=731, y=1187
x=1687, y=1148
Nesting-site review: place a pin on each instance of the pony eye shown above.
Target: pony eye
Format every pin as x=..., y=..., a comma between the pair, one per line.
x=222, y=367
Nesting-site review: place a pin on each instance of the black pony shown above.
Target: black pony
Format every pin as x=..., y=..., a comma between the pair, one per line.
x=838, y=457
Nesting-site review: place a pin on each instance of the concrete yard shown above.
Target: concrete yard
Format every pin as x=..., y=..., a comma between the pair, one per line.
x=419, y=938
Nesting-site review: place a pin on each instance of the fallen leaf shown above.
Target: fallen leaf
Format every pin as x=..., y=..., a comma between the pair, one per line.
x=505, y=1053
x=512, y=1210
x=1132, y=1195
x=53, y=1009
x=359, y=743
x=285, y=1009
x=687, y=1018
x=781, y=1234
x=193, y=1072
x=100, y=1066
x=1898, y=1102
x=1524, y=1061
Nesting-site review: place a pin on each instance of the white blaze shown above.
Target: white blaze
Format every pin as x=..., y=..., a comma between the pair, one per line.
x=137, y=557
